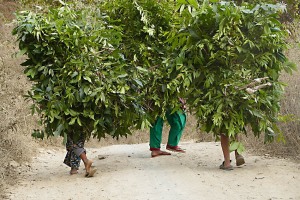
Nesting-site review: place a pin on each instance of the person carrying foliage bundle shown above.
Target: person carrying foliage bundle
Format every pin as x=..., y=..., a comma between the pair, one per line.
x=177, y=121
x=75, y=153
x=225, y=144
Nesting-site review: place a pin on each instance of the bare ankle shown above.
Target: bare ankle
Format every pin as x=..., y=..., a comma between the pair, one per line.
x=73, y=171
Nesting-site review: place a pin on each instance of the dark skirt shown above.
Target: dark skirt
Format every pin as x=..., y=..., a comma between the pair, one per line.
x=74, y=150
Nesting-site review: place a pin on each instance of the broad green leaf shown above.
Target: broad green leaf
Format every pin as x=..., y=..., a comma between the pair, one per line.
x=58, y=130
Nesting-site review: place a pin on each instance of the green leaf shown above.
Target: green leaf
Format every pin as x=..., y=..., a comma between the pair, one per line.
x=72, y=112
x=22, y=52
x=194, y=3
x=58, y=130
x=79, y=121
x=73, y=120
x=142, y=69
x=237, y=146
x=87, y=78
x=123, y=76
x=65, y=139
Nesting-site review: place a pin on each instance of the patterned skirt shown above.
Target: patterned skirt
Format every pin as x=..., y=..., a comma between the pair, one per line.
x=74, y=150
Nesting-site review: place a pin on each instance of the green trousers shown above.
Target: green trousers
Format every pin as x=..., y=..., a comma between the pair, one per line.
x=177, y=123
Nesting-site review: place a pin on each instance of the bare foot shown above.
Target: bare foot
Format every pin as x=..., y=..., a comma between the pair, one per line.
x=91, y=172
x=88, y=168
x=88, y=165
x=73, y=171
x=159, y=153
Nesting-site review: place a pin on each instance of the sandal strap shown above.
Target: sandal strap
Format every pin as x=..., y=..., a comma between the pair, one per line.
x=175, y=148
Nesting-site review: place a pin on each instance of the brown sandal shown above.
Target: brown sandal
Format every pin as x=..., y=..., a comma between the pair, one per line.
x=228, y=168
x=91, y=172
x=239, y=160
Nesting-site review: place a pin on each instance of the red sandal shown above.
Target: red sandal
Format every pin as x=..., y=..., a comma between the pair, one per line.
x=175, y=149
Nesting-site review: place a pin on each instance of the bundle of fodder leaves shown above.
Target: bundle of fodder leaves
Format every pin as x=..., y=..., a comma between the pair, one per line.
x=92, y=66
x=234, y=56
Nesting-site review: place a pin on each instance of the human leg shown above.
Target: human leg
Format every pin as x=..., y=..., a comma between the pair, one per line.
x=71, y=159
x=240, y=160
x=238, y=157
x=177, y=122
x=226, y=153
x=80, y=151
x=89, y=171
x=156, y=134
x=76, y=153
x=156, y=137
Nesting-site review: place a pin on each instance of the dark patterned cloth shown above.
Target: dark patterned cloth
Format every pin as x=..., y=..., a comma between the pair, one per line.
x=74, y=149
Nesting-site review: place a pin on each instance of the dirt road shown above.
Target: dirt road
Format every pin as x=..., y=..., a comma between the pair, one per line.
x=126, y=172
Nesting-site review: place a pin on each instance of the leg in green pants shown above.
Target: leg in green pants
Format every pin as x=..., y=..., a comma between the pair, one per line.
x=177, y=122
x=156, y=134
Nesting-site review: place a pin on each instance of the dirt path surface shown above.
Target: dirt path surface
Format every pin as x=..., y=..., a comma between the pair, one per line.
x=128, y=172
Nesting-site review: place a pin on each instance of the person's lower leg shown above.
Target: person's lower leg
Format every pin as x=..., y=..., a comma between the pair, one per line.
x=236, y=153
x=176, y=129
x=225, y=149
x=86, y=161
x=156, y=135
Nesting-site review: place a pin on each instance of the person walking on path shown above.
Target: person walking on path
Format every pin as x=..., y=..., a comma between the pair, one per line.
x=226, y=165
x=76, y=153
x=177, y=121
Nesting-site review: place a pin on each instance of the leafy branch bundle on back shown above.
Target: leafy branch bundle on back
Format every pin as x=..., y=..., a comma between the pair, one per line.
x=234, y=56
x=92, y=67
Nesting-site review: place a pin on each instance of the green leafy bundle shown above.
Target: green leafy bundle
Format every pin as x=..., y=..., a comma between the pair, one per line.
x=234, y=55
x=81, y=78
x=98, y=72
x=144, y=26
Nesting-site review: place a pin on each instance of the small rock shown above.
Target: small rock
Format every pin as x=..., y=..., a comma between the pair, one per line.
x=49, y=152
x=101, y=157
x=14, y=164
x=26, y=164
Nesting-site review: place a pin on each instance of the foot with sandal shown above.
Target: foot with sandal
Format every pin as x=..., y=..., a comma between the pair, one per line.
x=175, y=149
x=239, y=159
x=75, y=153
x=90, y=171
x=158, y=152
x=226, y=165
x=73, y=171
